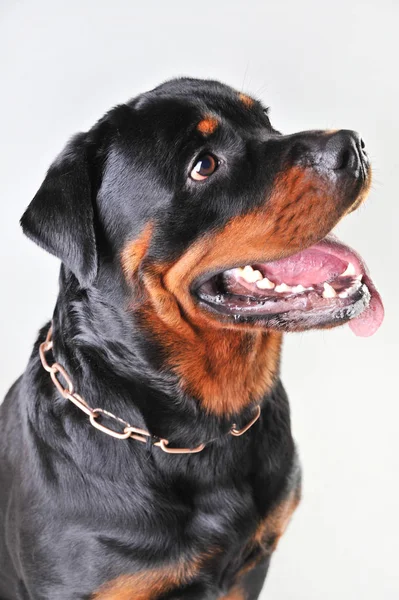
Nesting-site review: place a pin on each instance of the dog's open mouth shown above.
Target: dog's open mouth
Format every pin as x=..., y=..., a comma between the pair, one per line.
x=324, y=285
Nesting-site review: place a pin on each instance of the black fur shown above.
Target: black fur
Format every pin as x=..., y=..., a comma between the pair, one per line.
x=78, y=508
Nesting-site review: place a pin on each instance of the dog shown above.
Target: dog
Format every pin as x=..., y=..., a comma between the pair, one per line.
x=146, y=451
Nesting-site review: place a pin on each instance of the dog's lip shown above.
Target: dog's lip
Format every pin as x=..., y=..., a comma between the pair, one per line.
x=364, y=321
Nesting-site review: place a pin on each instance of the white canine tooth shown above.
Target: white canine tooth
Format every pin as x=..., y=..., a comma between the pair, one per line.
x=283, y=287
x=359, y=277
x=297, y=289
x=329, y=291
x=256, y=276
x=247, y=272
x=265, y=284
x=349, y=271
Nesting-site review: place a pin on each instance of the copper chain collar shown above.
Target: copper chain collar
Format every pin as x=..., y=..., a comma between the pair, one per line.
x=93, y=413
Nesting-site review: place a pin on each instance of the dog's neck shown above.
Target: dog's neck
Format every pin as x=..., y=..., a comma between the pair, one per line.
x=225, y=370
x=93, y=335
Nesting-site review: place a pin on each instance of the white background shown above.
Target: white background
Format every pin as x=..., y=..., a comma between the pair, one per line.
x=318, y=65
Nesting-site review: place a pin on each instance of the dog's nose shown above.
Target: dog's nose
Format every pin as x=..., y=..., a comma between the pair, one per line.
x=345, y=150
x=341, y=151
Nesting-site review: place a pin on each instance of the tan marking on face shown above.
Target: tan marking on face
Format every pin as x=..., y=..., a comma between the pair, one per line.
x=207, y=352
x=208, y=125
x=246, y=100
x=134, y=252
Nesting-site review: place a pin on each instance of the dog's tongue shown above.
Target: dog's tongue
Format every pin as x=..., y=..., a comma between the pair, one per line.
x=370, y=320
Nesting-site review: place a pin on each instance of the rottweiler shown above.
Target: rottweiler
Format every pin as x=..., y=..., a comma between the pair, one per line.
x=146, y=451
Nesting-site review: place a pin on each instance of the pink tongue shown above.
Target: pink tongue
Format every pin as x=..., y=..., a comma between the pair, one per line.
x=370, y=320
x=305, y=268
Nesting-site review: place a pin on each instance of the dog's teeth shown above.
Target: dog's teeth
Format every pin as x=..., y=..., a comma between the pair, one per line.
x=343, y=294
x=349, y=271
x=329, y=291
x=283, y=287
x=249, y=274
x=298, y=289
x=265, y=284
x=354, y=287
x=256, y=276
x=359, y=277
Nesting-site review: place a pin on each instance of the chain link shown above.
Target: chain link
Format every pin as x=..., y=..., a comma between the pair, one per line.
x=55, y=370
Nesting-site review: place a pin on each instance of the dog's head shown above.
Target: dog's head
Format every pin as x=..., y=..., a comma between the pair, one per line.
x=217, y=219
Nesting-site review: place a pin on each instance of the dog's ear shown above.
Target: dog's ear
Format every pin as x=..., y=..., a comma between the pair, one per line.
x=60, y=217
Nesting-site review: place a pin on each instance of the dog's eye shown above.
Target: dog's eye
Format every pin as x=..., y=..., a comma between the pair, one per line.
x=204, y=167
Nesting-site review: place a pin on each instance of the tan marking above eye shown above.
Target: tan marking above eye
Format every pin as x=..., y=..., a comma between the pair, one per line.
x=208, y=125
x=247, y=100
